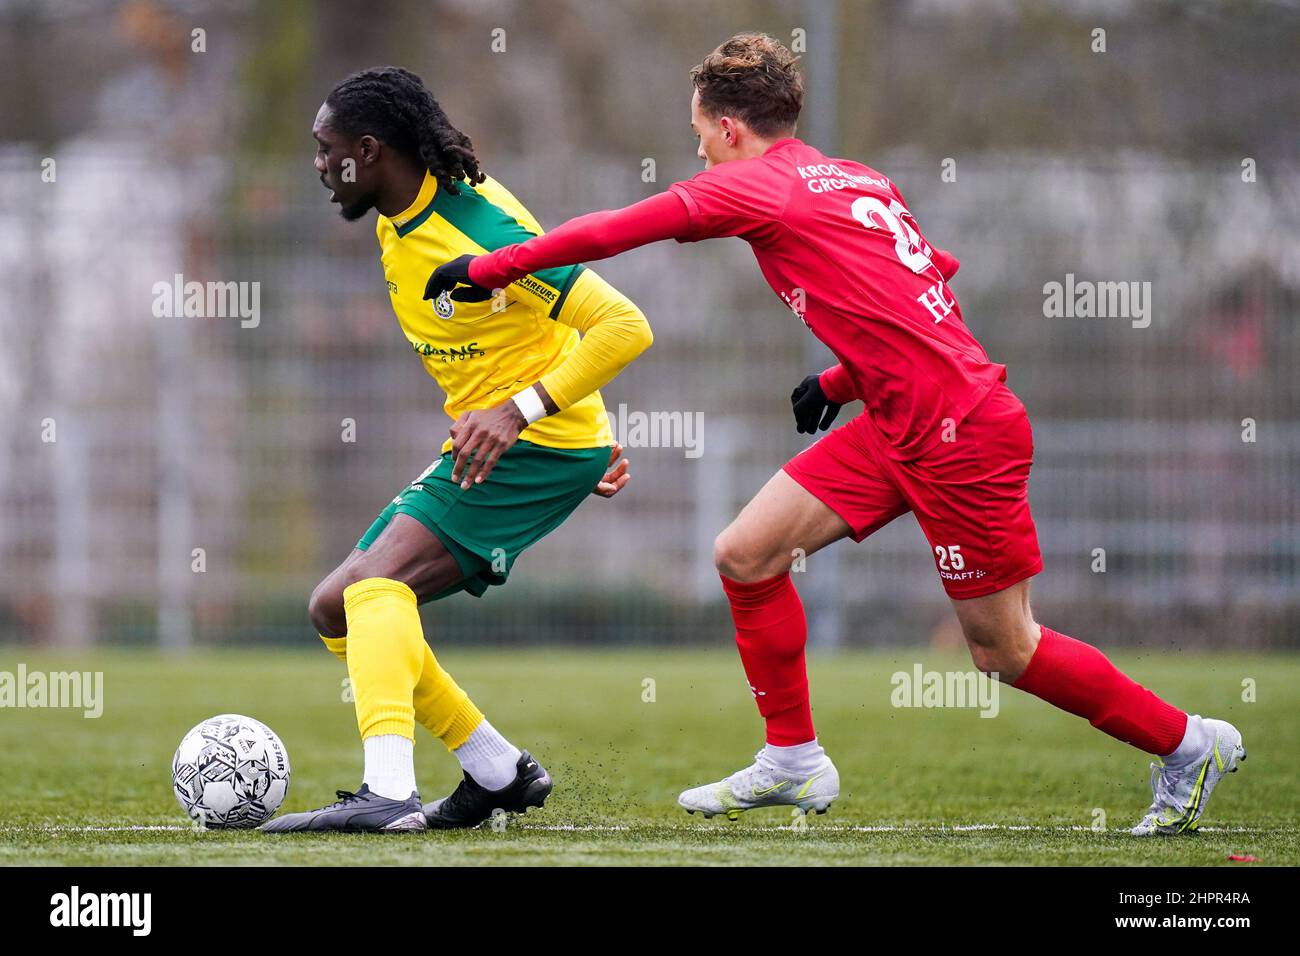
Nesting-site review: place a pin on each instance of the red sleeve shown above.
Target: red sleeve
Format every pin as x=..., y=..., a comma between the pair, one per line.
x=597, y=235
x=945, y=261
x=741, y=198
x=837, y=385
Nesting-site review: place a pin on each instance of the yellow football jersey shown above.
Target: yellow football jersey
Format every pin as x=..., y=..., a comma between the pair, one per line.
x=480, y=356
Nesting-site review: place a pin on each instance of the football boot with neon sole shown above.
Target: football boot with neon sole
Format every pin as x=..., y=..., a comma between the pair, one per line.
x=1180, y=794
x=764, y=784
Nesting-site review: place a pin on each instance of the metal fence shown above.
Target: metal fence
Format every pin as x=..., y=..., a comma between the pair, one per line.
x=190, y=479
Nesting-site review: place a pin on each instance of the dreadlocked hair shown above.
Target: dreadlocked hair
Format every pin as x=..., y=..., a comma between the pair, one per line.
x=395, y=107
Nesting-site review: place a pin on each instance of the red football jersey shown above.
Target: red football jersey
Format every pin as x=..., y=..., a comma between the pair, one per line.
x=836, y=242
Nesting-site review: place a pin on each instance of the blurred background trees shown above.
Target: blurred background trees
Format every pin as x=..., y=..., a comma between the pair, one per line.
x=198, y=483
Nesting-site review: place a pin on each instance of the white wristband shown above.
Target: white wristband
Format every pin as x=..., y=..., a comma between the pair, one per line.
x=530, y=403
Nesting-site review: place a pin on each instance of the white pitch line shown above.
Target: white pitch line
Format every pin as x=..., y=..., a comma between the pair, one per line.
x=832, y=828
x=1005, y=827
x=569, y=828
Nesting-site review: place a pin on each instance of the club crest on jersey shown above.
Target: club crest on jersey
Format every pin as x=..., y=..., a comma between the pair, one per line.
x=443, y=307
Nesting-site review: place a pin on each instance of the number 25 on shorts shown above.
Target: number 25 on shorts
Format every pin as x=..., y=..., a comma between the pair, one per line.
x=950, y=558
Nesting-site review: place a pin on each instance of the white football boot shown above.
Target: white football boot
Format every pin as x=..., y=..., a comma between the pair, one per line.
x=764, y=784
x=1179, y=794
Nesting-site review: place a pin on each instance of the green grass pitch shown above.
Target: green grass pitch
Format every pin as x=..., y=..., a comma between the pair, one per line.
x=920, y=786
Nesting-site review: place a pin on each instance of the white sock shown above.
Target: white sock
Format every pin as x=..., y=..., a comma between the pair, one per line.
x=1196, y=740
x=488, y=757
x=798, y=759
x=390, y=766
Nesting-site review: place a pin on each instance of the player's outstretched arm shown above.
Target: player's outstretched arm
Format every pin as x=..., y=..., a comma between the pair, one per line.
x=597, y=235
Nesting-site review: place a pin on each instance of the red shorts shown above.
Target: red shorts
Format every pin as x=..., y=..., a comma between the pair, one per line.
x=970, y=494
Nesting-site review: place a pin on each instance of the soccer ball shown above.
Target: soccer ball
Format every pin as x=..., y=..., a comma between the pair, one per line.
x=230, y=773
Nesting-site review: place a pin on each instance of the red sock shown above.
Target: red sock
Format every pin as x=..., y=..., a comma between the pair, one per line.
x=1077, y=677
x=771, y=632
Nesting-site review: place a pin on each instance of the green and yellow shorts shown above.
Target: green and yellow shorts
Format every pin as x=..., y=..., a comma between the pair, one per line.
x=485, y=527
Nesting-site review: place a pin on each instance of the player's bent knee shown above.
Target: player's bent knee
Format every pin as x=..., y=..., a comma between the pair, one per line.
x=724, y=555
x=739, y=562
x=987, y=660
x=325, y=610
x=998, y=650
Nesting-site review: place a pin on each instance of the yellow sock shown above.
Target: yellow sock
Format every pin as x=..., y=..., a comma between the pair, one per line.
x=384, y=655
x=338, y=646
x=439, y=703
x=442, y=706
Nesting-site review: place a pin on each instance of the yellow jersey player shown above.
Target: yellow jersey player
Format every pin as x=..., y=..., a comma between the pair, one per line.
x=531, y=440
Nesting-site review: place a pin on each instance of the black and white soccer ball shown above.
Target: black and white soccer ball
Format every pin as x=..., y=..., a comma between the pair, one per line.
x=230, y=773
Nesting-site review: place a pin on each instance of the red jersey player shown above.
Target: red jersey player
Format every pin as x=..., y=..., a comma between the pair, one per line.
x=941, y=436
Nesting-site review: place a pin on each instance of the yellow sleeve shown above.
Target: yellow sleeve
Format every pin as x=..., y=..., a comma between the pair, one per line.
x=614, y=332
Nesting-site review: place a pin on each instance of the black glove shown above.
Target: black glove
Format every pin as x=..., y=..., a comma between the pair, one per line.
x=813, y=411
x=449, y=275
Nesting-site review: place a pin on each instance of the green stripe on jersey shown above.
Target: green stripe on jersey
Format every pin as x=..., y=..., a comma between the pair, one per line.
x=414, y=223
x=492, y=227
